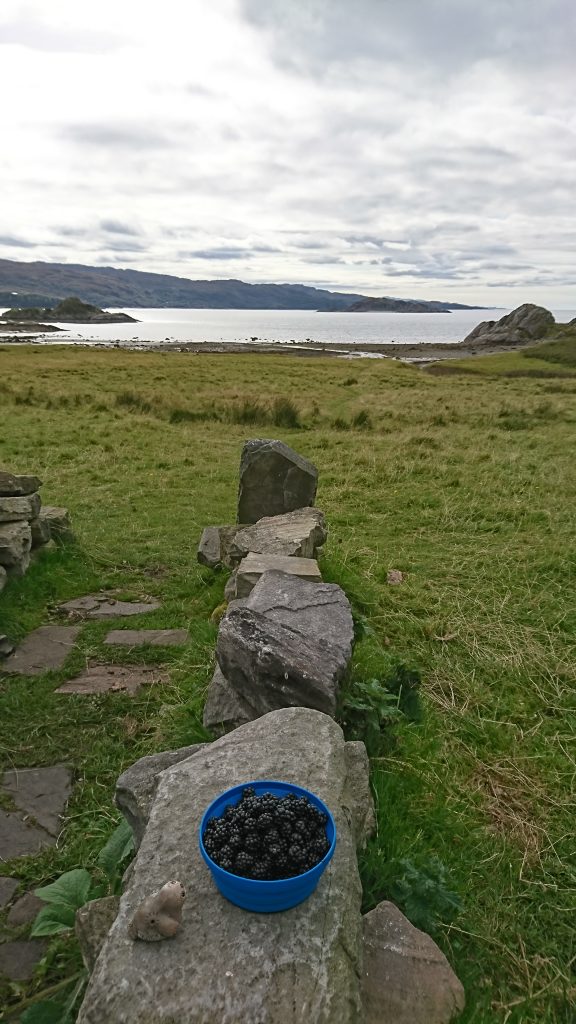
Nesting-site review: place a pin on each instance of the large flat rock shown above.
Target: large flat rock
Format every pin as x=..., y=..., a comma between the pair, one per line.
x=289, y=645
x=225, y=965
x=114, y=679
x=274, y=479
x=12, y=485
x=104, y=606
x=43, y=650
x=253, y=566
x=299, y=533
x=154, y=637
x=406, y=977
x=41, y=793
x=13, y=509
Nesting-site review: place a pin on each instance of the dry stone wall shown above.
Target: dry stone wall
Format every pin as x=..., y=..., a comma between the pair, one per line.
x=283, y=650
x=25, y=524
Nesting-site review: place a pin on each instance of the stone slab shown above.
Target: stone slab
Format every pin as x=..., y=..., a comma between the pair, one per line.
x=155, y=637
x=227, y=966
x=254, y=565
x=43, y=650
x=13, y=509
x=274, y=479
x=104, y=606
x=297, y=534
x=8, y=887
x=6, y=645
x=224, y=709
x=41, y=793
x=114, y=679
x=19, y=839
x=15, y=544
x=406, y=977
x=25, y=910
x=18, y=960
x=12, y=485
x=136, y=787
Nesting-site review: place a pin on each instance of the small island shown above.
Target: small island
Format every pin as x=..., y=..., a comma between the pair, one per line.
x=68, y=311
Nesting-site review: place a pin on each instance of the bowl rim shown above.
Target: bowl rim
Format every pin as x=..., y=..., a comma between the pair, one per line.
x=271, y=881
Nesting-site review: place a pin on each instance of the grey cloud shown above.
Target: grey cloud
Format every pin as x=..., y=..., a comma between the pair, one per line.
x=16, y=242
x=35, y=34
x=129, y=136
x=217, y=254
x=116, y=227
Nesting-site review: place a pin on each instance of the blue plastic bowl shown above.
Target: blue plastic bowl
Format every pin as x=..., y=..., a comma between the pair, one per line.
x=249, y=893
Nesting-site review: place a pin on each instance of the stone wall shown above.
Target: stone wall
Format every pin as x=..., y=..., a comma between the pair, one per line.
x=283, y=650
x=25, y=524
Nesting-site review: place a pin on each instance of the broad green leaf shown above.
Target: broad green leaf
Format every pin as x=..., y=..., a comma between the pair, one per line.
x=71, y=889
x=119, y=845
x=54, y=918
x=45, y=1012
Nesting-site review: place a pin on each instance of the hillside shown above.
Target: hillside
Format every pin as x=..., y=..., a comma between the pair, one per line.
x=110, y=287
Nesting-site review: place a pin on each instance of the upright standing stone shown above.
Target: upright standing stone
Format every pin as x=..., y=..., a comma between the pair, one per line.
x=274, y=479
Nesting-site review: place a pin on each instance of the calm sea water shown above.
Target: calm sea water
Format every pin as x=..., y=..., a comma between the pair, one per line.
x=241, y=326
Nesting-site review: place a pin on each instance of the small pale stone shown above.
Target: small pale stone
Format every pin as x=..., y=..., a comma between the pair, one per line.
x=394, y=576
x=3, y=578
x=214, y=547
x=6, y=646
x=13, y=509
x=40, y=532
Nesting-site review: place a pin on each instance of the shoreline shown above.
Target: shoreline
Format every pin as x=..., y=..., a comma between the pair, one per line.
x=419, y=352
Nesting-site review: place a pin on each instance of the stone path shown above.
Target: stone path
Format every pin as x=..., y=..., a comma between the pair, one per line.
x=103, y=606
x=8, y=887
x=41, y=793
x=18, y=959
x=43, y=650
x=113, y=679
x=155, y=637
x=24, y=910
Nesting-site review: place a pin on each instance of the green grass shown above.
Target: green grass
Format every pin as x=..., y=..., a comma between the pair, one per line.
x=465, y=482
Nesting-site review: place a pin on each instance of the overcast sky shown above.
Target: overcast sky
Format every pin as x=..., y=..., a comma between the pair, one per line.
x=418, y=148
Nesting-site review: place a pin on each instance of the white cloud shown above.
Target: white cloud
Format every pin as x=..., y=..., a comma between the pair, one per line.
x=428, y=146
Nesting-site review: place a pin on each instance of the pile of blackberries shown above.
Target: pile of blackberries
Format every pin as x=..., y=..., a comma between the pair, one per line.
x=267, y=837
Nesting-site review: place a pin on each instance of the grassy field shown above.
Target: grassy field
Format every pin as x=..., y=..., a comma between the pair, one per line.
x=465, y=482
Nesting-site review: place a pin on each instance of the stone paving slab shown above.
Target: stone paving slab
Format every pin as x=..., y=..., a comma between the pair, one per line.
x=156, y=637
x=8, y=887
x=18, y=839
x=40, y=792
x=104, y=606
x=18, y=959
x=43, y=650
x=25, y=910
x=114, y=679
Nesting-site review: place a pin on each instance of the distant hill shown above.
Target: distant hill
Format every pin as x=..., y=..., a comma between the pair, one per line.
x=389, y=305
x=108, y=286
x=68, y=311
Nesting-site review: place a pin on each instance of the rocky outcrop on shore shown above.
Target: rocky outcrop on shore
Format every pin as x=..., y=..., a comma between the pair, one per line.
x=69, y=311
x=523, y=325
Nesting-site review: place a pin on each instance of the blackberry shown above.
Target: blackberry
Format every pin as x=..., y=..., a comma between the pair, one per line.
x=249, y=824
x=251, y=842
x=296, y=854
x=248, y=792
x=244, y=862
x=264, y=822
